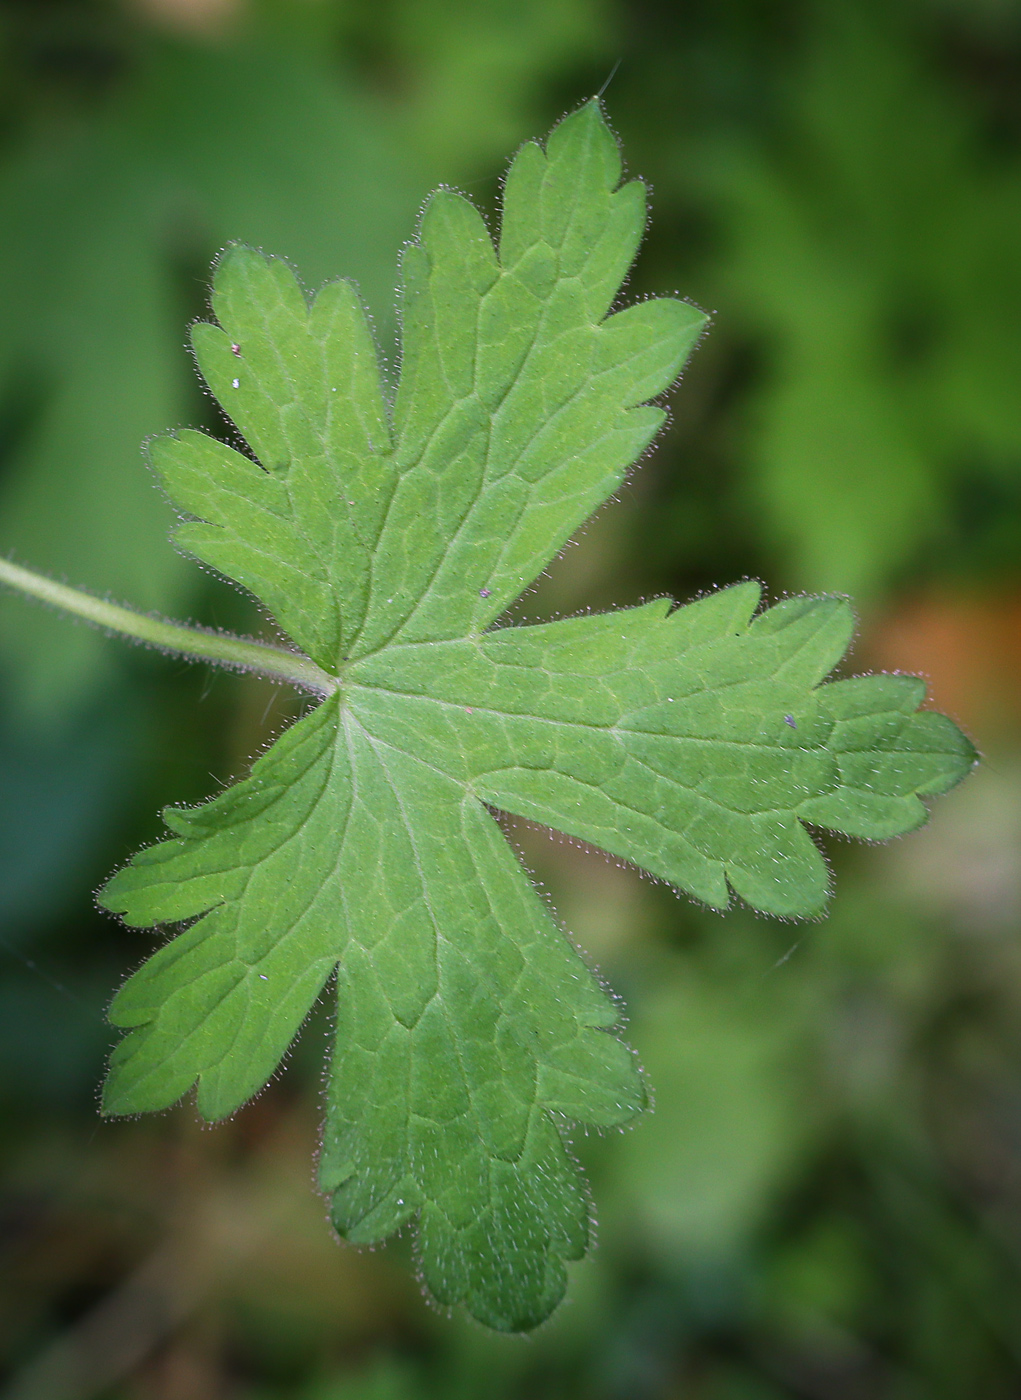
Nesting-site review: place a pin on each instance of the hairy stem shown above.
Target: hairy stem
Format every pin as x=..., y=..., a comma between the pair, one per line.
x=221, y=648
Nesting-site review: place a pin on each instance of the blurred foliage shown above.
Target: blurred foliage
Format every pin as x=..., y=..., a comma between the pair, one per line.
x=877, y=250
x=826, y=1204
x=111, y=213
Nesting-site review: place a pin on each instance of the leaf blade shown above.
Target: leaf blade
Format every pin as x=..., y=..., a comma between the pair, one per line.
x=301, y=381
x=508, y=375
x=693, y=742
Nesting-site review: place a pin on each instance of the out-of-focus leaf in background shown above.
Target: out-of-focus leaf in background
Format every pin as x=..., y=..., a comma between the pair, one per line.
x=826, y=1202
x=108, y=217
x=874, y=249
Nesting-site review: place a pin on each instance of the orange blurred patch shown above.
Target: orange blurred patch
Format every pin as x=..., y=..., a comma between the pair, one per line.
x=967, y=647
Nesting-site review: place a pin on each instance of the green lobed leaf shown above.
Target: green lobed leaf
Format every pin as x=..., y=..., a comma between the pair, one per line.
x=694, y=741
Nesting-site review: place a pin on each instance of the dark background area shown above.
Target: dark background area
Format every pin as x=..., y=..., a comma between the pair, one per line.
x=826, y=1203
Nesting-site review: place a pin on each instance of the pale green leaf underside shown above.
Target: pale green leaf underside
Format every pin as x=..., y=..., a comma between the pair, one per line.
x=695, y=742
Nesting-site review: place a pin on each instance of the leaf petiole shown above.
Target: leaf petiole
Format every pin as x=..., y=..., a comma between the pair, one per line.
x=221, y=648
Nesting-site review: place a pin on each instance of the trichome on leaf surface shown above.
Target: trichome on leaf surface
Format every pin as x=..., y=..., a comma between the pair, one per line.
x=694, y=741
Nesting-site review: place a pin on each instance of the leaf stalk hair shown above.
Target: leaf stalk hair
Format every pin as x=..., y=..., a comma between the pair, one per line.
x=197, y=643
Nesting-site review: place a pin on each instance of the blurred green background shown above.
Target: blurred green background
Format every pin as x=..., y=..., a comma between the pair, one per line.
x=826, y=1203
